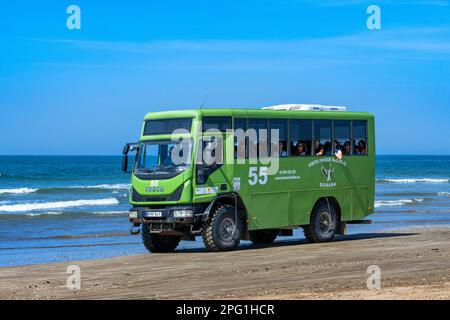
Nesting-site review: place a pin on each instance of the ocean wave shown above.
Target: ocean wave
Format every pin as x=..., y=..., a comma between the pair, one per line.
x=116, y=186
x=50, y=190
x=433, y=211
x=110, y=212
x=413, y=194
x=93, y=188
x=18, y=191
x=50, y=213
x=394, y=203
x=417, y=180
x=57, y=205
x=74, y=214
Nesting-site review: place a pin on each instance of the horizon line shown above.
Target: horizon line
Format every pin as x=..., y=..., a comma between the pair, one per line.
x=119, y=155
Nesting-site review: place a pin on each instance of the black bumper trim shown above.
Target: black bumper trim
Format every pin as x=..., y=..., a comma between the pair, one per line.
x=167, y=214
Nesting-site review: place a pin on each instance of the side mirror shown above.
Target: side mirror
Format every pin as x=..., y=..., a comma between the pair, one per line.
x=125, y=162
x=127, y=148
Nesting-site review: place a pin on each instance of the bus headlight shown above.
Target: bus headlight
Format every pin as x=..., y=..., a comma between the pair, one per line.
x=133, y=214
x=185, y=213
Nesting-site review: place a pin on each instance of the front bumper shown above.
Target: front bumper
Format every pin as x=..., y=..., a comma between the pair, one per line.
x=167, y=215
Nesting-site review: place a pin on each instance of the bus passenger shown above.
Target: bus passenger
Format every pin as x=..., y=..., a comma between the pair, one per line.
x=167, y=161
x=338, y=145
x=347, y=150
x=320, y=150
x=282, y=148
x=301, y=150
x=362, y=147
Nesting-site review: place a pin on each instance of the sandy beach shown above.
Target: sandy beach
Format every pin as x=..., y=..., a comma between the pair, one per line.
x=414, y=263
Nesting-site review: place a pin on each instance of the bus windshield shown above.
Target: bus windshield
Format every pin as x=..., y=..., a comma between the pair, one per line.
x=162, y=158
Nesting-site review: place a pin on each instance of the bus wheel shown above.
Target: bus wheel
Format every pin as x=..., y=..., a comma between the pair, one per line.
x=323, y=223
x=222, y=232
x=263, y=236
x=154, y=242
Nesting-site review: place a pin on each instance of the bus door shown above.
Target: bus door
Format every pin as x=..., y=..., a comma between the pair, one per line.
x=212, y=171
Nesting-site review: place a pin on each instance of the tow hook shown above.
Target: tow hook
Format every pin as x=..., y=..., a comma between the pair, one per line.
x=135, y=230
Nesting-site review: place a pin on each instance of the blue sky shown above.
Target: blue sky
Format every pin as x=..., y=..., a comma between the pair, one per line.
x=86, y=91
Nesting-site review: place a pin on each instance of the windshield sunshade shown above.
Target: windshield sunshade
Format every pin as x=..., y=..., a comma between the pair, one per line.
x=166, y=126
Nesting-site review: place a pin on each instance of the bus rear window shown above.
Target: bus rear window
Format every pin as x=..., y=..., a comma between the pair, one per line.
x=166, y=126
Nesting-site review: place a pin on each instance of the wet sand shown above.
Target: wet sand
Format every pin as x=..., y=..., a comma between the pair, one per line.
x=414, y=263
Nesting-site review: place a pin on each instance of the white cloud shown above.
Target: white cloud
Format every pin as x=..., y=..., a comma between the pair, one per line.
x=416, y=40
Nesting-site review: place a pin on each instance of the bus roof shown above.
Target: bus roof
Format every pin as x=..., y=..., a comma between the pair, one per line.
x=257, y=113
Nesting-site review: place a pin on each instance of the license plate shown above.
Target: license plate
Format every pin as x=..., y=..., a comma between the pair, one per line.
x=153, y=214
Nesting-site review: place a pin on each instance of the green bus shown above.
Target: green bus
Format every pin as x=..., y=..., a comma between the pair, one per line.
x=310, y=166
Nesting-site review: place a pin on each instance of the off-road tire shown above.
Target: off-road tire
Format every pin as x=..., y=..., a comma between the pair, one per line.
x=324, y=223
x=154, y=242
x=224, y=217
x=263, y=236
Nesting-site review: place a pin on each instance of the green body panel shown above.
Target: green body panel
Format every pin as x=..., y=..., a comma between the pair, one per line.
x=169, y=185
x=289, y=196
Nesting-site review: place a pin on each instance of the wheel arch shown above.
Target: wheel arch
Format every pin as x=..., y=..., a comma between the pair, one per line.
x=333, y=201
x=229, y=198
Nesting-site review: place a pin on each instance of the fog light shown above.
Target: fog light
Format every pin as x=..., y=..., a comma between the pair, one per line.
x=133, y=214
x=182, y=213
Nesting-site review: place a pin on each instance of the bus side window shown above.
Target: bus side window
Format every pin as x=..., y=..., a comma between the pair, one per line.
x=322, y=137
x=216, y=123
x=240, y=150
x=258, y=148
x=342, y=137
x=301, y=138
x=279, y=148
x=359, y=137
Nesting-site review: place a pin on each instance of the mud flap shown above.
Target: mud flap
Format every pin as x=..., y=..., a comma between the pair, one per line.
x=342, y=229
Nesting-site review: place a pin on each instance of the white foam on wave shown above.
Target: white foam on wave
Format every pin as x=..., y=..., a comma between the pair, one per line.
x=116, y=186
x=18, y=191
x=57, y=205
x=50, y=213
x=110, y=212
x=418, y=180
x=394, y=203
x=444, y=194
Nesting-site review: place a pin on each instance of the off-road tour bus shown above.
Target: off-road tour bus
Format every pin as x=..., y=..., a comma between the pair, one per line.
x=250, y=174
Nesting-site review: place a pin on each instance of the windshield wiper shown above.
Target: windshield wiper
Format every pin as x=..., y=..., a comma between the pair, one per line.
x=161, y=169
x=145, y=170
x=174, y=167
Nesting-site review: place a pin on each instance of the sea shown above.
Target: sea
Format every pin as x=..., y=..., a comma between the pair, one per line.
x=68, y=208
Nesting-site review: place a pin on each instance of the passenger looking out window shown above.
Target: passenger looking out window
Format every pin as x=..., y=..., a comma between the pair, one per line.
x=322, y=137
x=360, y=137
x=301, y=149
